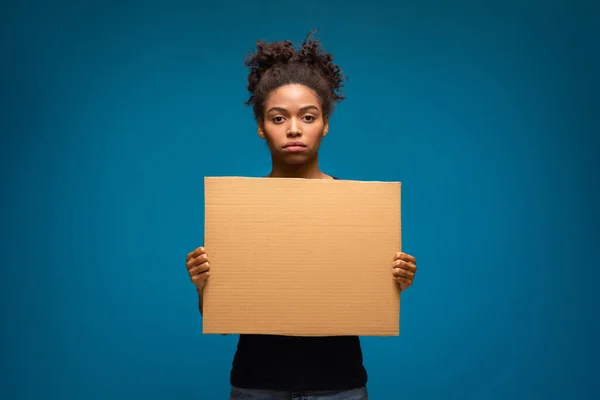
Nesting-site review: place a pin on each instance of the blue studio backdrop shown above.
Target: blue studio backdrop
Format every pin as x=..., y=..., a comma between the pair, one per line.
x=113, y=112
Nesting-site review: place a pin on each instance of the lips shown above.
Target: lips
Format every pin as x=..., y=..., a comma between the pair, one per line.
x=294, y=144
x=294, y=147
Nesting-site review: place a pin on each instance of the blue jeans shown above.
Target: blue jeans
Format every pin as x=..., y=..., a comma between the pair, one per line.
x=256, y=394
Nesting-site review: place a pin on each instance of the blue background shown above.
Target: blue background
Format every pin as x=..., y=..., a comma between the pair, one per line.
x=113, y=112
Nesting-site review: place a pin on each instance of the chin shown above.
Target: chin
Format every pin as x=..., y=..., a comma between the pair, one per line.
x=296, y=160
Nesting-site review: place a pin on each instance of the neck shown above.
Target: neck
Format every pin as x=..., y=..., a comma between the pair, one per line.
x=308, y=170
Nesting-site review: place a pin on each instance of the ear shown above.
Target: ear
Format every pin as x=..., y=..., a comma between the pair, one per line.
x=326, y=128
x=261, y=129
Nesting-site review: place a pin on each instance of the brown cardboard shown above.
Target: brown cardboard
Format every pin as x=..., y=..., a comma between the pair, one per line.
x=301, y=257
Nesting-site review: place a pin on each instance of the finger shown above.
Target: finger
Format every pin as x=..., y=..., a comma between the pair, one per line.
x=197, y=261
x=198, y=269
x=405, y=265
x=405, y=257
x=195, y=253
x=401, y=273
x=200, y=278
x=400, y=278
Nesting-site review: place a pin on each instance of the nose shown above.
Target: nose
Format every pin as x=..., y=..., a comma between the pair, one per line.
x=294, y=129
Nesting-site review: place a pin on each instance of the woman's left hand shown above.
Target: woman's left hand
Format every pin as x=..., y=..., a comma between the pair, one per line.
x=404, y=269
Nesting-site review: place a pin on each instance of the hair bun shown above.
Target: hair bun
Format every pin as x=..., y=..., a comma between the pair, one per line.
x=313, y=54
x=266, y=56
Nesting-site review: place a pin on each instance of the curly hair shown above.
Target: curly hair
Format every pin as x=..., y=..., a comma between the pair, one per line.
x=276, y=64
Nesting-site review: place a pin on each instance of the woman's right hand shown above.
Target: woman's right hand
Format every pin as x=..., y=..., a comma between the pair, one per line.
x=198, y=267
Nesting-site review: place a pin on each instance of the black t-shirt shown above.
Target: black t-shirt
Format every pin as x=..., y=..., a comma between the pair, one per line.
x=298, y=363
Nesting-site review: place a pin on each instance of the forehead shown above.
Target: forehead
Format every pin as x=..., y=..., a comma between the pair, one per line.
x=292, y=95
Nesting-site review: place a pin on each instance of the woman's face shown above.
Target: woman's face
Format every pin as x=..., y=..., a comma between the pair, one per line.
x=293, y=124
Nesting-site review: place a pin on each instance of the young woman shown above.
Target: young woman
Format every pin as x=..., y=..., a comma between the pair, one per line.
x=293, y=95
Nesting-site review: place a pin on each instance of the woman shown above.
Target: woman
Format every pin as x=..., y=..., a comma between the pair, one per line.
x=293, y=94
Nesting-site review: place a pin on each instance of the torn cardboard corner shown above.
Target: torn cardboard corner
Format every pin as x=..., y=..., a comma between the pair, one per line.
x=301, y=257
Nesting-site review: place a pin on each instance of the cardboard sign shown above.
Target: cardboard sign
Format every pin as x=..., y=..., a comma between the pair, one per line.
x=301, y=257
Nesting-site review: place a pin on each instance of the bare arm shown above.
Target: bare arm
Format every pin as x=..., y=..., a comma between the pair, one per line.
x=200, y=298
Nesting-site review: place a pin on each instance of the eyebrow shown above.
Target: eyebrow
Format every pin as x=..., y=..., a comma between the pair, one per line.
x=305, y=108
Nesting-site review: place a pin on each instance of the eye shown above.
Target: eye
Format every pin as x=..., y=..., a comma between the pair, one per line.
x=278, y=119
x=310, y=118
